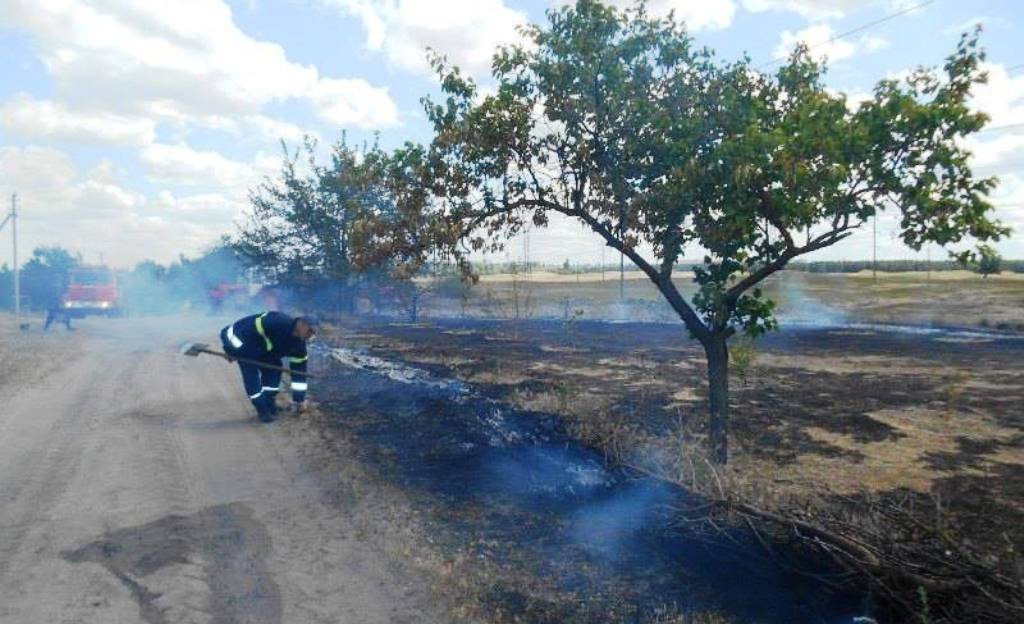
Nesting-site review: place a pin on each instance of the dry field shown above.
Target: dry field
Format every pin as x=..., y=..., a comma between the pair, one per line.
x=941, y=298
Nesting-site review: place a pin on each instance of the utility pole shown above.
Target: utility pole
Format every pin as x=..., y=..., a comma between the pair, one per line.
x=874, y=249
x=14, y=246
x=622, y=276
x=622, y=255
x=928, y=260
x=13, y=218
x=526, y=251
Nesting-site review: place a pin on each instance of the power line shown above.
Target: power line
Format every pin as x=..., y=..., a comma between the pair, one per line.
x=854, y=31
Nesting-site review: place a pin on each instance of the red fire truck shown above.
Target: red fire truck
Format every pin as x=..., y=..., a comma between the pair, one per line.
x=92, y=290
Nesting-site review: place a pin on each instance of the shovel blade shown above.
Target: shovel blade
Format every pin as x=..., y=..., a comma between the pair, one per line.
x=195, y=349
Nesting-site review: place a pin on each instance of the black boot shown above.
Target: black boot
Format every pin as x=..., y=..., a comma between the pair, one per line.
x=264, y=409
x=271, y=398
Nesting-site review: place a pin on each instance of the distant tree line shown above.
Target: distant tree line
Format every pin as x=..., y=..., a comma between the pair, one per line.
x=900, y=266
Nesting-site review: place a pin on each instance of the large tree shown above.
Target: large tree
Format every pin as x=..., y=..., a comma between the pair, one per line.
x=301, y=223
x=620, y=121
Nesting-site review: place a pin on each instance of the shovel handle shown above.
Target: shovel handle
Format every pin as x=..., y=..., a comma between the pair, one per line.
x=251, y=361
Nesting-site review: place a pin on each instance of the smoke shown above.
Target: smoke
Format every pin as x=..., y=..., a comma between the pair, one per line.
x=607, y=527
x=546, y=470
x=796, y=307
x=214, y=283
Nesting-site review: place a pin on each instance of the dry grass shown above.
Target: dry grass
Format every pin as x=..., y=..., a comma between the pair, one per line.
x=900, y=461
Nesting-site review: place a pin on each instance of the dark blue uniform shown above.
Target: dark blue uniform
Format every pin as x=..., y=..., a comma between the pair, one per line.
x=268, y=338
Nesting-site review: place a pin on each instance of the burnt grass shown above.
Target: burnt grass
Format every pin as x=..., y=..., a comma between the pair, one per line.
x=652, y=375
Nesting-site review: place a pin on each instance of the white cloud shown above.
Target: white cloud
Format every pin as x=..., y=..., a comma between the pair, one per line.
x=809, y=9
x=182, y=60
x=94, y=214
x=182, y=165
x=992, y=152
x=970, y=24
x=813, y=10
x=822, y=43
x=38, y=174
x=874, y=43
x=999, y=148
x=467, y=31
x=819, y=39
x=27, y=118
x=275, y=129
x=1009, y=202
x=95, y=200
x=203, y=208
x=1002, y=97
x=347, y=101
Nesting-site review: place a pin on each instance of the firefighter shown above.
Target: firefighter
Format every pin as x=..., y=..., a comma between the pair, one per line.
x=55, y=301
x=270, y=337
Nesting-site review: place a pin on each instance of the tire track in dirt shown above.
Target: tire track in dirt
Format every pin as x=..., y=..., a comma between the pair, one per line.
x=42, y=478
x=179, y=591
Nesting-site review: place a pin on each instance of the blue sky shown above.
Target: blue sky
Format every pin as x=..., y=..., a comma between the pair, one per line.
x=134, y=130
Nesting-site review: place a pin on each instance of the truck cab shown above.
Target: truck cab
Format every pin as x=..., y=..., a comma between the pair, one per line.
x=91, y=290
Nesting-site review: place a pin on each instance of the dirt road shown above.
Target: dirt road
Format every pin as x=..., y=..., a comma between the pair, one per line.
x=135, y=485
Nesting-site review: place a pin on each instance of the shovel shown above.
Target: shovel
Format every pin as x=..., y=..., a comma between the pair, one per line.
x=194, y=349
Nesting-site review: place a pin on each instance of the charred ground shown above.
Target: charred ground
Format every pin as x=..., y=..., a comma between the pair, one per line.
x=916, y=420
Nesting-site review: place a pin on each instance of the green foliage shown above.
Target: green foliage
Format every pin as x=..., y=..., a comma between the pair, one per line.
x=989, y=261
x=742, y=357
x=924, y=615
x=301, y=225
x=6, y=288
x=45, y=275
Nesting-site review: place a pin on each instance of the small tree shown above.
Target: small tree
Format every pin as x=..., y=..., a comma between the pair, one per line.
x=622, y=122
x=301, y=224
x=45, y=276
x=989, y=261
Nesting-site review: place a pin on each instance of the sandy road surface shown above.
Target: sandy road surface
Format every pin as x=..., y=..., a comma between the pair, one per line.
x=136, y=486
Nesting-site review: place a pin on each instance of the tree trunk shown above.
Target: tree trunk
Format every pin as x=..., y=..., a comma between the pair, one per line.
x=717, y=351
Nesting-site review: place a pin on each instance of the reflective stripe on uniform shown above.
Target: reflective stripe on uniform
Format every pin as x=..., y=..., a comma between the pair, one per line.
x=298, y=360
x=256, y=396
x=269, y=389
x=262, y=332
x=299, y=386
x=232, y=338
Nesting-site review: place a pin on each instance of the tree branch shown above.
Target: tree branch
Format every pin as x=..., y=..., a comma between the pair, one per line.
x=829, y=238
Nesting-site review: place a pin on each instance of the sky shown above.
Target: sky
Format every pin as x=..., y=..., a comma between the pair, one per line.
x=134, y=130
